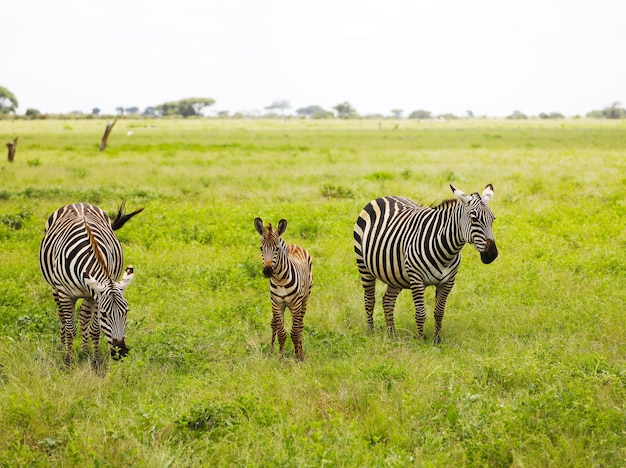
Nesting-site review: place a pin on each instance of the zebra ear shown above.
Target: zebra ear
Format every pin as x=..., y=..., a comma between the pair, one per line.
x=282, y=226
x=258, y=225
x=128, y=276
x=460, y=195
x=487, y=193
x=92, y=283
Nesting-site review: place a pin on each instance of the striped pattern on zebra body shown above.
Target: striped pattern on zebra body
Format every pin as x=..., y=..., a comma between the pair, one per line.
x=289, y=269
x=81, y=258
x=408, y=246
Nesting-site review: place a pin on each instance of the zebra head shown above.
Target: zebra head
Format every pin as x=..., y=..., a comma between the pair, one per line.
x=112, y=309
x=271, y=244
x=477, y=229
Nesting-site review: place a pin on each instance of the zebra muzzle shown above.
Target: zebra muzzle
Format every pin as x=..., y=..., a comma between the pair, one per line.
x=268, y=271
x=490, y=253
x=119, y=349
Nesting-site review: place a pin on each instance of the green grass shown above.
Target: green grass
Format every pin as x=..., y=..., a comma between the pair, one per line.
x=532, y=368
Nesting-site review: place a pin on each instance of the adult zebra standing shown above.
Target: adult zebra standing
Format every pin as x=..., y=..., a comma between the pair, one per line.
x=408, y=246
x=291, y=280
x=81, y=258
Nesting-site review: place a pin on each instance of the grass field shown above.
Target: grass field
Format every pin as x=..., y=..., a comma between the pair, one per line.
x=532, y=367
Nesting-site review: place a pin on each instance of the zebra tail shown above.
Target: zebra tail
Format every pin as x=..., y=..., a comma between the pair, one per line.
x=122, y=217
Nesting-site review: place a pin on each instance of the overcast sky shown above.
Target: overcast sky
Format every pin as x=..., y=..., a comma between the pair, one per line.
x=445, y=56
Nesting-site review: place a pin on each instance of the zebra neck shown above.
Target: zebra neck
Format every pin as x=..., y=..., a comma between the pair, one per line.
x=452, y=232
x=282, y=271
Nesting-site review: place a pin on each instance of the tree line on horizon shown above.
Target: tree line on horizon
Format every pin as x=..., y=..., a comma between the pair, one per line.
x=197, y=107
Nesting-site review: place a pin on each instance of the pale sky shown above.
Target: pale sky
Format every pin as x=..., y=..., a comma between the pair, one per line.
x=445, y=56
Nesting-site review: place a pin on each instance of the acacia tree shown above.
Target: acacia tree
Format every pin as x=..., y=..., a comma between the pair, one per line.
x=8, y=102
x=345, y=110
x=281, y=104
x=185, y=107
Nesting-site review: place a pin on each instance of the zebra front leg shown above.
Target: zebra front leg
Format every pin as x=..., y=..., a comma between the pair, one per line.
x=389, y=303
x=87, y=311
x=278, y=327
x=296, y=330
x=94, y=333
x=440, y=307
x=417, y=290
x=68, y=326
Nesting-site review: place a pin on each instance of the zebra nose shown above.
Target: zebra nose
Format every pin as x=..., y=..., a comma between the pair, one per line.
x=268, y=271
x=118, y=349
x=490, y=253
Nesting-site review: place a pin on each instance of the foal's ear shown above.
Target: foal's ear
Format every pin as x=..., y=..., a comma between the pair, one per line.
x=487, y=193
x=282, y=226
x=460, y=195
x=258, y=225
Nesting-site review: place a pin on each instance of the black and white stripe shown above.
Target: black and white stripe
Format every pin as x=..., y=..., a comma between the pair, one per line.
x=81, y=258
x=408, y=246
x=289, y=268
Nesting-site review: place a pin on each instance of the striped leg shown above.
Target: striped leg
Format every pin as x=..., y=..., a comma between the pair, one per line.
x=87, y=313
x=68, y=325
x=369, y=286
x=417, y=289
x=389, y=302
x=278, y=327
x=440, y=307
x=296, y=329
x=94, y=333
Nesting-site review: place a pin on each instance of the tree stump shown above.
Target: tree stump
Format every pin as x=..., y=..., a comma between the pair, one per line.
x=105, y=137
x=12, y=146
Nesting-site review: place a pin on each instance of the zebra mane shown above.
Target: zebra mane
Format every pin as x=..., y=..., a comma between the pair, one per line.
x=445, y=204
x=96, y=250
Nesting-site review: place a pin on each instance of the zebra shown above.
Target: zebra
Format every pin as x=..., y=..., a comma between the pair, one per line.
x=408, y=246
x=289, y=268
x=81, y=258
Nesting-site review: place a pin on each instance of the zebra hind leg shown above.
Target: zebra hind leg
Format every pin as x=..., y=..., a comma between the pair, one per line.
x=389, y=303
x=85, y=318
x=369, y=287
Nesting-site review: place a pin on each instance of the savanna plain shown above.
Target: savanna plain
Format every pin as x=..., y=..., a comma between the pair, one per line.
x=531, y=370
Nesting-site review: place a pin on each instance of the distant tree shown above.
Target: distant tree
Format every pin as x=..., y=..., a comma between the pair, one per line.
x=397, y=113
x=149, y=112
x=120, y=110
x=614, y=111
x=223, y=114
x=309, y=110
x=551, y=115
x=517, y=115
x=470, y=114
x=8, y=102
x=421, y=115
x=280, y=104
x=448, y=117
x=322, y=114
x=132, y=110
x=345, y=111
x=185, y=107
x=32, y=113
x=95, y=111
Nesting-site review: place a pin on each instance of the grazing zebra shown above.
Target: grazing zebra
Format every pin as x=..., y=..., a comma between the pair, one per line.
x=81, y=258
x=291, y=280
x=408, y=246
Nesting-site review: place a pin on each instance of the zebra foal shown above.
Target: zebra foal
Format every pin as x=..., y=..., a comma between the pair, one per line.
x=289, y=269
x=408, y=246
x=81, y=258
